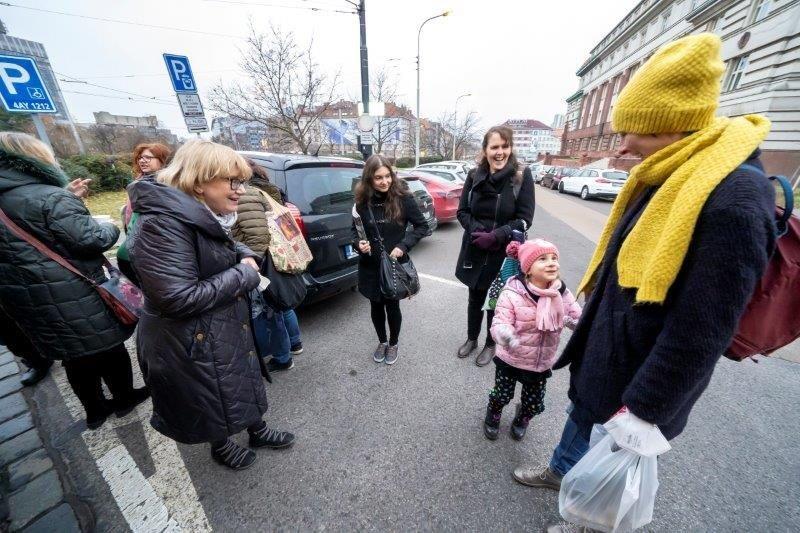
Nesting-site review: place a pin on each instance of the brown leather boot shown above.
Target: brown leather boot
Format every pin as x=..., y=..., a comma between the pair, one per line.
x=486, y=356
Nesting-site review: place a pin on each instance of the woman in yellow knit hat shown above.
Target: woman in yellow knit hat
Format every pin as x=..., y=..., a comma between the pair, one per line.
x=686, y=241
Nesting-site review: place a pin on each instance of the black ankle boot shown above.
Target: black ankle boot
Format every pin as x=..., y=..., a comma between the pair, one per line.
x=126, y=405
x=520, y=425
x=491, y=424
x=98, y=415
x=232, y=455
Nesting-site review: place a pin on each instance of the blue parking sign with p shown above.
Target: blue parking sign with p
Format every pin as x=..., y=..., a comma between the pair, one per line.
x=22, y=88
x=180, y=73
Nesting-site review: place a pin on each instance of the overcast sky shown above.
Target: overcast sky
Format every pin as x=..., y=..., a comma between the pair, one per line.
x=516, y=57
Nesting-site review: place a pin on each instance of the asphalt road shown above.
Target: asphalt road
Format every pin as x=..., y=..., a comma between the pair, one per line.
x=401, y=448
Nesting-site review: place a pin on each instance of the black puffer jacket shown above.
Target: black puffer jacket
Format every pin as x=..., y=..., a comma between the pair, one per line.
x=395, y=235
x=492, y=206
x=194, y=340
x=62, y=313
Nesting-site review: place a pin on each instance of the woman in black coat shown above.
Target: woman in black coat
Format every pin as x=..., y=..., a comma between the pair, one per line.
x=194, y=339
x=61, y=313
x=497, y=199
x=385, y=207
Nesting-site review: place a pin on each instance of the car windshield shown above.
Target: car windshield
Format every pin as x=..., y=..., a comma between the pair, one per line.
x=571, y=171
x=322, y=190
x=615, y=175
x=445, y=175
x=416, y=186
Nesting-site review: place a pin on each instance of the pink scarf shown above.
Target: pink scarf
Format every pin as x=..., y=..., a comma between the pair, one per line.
x=549, y=308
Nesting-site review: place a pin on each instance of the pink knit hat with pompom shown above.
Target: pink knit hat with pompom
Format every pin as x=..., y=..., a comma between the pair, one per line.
x=529, y=251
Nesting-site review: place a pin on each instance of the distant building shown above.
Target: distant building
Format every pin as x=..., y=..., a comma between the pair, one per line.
x=532, y=138
x=243, y=135
x=558, y=121
x=14, y=46
x=104, y=117
x=759, y=45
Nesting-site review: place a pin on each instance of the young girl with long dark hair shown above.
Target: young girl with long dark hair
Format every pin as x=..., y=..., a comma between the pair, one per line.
x=386, y=208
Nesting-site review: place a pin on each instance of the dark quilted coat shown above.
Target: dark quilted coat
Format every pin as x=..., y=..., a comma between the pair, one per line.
x=62, y=313
x=194, y=340
x=251, y=225
x=488, y=203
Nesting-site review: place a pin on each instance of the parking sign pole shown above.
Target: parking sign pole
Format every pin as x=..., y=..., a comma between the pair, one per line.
x=40, y=129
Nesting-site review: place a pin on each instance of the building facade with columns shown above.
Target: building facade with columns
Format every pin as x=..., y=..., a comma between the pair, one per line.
x=761, y=49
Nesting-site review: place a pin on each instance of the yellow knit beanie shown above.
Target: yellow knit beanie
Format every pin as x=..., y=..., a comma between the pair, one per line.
x=675, y=91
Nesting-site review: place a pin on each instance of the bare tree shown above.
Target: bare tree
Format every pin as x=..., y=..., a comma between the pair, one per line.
x=287, y=92
x=387, y=127
x=104, y=137
x=465, y=132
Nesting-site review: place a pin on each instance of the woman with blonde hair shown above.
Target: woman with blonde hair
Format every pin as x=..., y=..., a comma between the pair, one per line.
x=60, y=313
x=194, y=339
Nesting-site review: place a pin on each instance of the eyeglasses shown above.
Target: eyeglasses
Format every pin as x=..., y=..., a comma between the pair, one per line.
x=236, y=183
x=146, y=158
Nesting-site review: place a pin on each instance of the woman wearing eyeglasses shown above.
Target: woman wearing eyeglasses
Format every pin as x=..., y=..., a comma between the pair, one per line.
x=147, y=160
x=194, y=340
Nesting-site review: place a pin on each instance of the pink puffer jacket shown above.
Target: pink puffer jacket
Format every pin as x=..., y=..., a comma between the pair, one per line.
x=519, y=342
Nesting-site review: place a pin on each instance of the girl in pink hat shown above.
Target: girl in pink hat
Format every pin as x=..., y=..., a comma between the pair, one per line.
x=531, y=312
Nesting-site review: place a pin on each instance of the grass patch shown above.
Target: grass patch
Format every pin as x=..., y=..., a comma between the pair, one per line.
x=107, y=203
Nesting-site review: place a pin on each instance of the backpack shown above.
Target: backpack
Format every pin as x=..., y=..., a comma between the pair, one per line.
x=772, y=317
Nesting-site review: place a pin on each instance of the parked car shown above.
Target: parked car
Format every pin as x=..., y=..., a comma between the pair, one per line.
x=455, y=176
x=457, y=167
x=534, y=167
x=552, y=178
x=423, y=198
x=540, y=172
x=445, y=193
x=594, y=183
x=319, y=193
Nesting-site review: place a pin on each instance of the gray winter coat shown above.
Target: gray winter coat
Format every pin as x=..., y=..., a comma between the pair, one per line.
x=194, y=339
x=62, y=314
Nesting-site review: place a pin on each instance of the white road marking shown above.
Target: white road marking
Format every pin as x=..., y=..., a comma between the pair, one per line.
x=443, y=280
x=167, y=501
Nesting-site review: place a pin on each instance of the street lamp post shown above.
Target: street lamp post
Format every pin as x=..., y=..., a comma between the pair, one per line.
x=419, y=33
x=455, y=122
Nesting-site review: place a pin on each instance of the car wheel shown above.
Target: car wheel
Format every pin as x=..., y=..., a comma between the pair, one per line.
x=561, y=187
x=585, y=193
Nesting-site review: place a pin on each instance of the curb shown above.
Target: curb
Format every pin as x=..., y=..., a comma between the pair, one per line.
x=32, y=497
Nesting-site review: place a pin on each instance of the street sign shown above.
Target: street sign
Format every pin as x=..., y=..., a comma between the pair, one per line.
x=366, y=122
x=190, y=103
x=22, y=88
x=367, y=137
x=180, y=73
x=196, y=124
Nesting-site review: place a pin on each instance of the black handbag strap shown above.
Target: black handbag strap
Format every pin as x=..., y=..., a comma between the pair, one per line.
x=375, y=223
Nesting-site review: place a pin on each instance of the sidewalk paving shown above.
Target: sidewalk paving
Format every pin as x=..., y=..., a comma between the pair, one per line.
x=31, y=490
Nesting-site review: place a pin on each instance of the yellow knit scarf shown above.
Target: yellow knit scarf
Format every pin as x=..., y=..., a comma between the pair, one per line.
x=685, y=172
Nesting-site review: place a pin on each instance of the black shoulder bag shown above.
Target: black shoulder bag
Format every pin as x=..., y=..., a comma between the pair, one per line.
x=397, y=280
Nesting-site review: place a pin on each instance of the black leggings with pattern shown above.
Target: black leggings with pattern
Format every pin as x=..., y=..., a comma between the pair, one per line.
x=532, y=401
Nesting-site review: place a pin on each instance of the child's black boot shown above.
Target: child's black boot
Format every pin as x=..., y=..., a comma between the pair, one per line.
x=491, y=425
x=519, y=425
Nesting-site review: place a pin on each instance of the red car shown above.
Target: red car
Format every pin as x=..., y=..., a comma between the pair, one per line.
x=446, y=194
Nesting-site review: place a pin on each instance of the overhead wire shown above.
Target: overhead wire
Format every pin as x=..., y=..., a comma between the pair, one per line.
x=284, y=6
x=118, y=21
x=145, y=96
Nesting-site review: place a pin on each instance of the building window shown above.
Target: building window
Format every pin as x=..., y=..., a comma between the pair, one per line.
x=711, y=25
x=614, y=93
x=665, y=21
x=603, y=92
x=760, y=10
x=593, y=144
x=642, y=37
x=736, y=69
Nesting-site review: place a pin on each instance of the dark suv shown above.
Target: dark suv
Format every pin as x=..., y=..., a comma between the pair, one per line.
x=319, y=192
x=553, y=176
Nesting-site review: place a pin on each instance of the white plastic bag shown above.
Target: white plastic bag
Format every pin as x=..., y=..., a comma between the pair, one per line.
x=610, y=488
